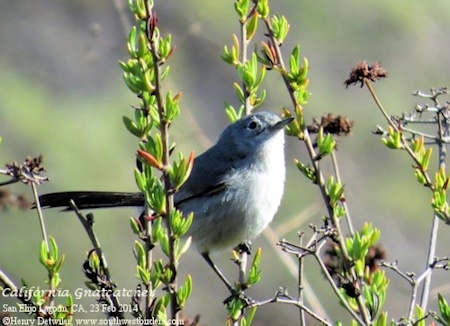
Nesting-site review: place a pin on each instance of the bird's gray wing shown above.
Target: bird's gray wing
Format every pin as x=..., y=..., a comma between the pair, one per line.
x=209, y=175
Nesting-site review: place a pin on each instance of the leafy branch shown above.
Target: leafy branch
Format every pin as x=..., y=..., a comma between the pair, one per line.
x=400, y=137
x=162, y=223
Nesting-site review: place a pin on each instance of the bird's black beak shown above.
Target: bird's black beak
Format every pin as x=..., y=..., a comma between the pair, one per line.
x=281, y=124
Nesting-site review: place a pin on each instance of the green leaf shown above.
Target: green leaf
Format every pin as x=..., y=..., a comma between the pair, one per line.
x=165, y=47
x=370, y=303
x=124, y=67
x=175, y=220
x=180, y=171
x=148, y=83
x=172, y=107
x=339, y=211
x=252, y=26
x=260, y=76
x=59, y=263
x=184, y=291
x=382, y=319
x=304, y=70
x=135, y=227
x=394, y=139
x=232, y=56
x=131, y=44
x=294, y=61
x=140, y=179
x=184, y=247
x=335, y=191
x=254, y=275
x=155, y=197
x=143, y=274
x=325, y=143
x=54, y=252
x=420, y=316
x=132, y=83
x=420, y=176
x=164, y=242
x=417, y=145
x=247, y=320
x=280, y=28
x=444, y=309
x=441, y=180
x=157, y=229
x=153, y=146
x=295, y=128
x=161, y=311
x=306, y=170
x=239, y=92
x=140, y=255
x=186, y=223
x=241, y=8
x=55, y=280
x=426, y=159
x=263, y=8
x=235, y=308
x=132, y=127
x=142, y=48
x=43, y=253
x=227, y=56
x=259, y=100
x=140, y=12
x=231, y=113
x=165, y=72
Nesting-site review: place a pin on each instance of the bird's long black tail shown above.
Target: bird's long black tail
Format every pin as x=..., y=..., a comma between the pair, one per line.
x=91, y=199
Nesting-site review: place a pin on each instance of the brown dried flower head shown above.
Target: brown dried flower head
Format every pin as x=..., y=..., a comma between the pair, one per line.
x=30, y=171
x=363, y=71
x=338, y=125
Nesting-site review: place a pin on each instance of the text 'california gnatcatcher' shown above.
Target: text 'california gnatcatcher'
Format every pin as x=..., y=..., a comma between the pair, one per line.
x=234, y=189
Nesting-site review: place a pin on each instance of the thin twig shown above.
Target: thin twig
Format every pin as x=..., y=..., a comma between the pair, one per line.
x=284, y=298
x=40, y=215
x=315, y=252
x=425, y=122
x=430, y=256
x=409, y=277
x=300, y=281
x=88, y=222
x=443, y=130
x=292, y=268
x=419, y=133
x=395, y=127
x=7, y=283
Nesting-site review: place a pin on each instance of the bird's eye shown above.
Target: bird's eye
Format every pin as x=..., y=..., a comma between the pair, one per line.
x=252, y=125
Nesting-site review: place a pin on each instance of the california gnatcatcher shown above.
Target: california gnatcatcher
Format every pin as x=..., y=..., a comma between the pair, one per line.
x=234, y=189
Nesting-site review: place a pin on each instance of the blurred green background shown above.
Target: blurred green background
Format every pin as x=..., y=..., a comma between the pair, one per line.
x=62, y=95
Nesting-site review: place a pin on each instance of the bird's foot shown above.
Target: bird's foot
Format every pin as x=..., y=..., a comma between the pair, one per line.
x=244, y=247
x=239, y=295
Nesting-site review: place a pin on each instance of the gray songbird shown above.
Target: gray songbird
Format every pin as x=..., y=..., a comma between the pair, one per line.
x=234, y=189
